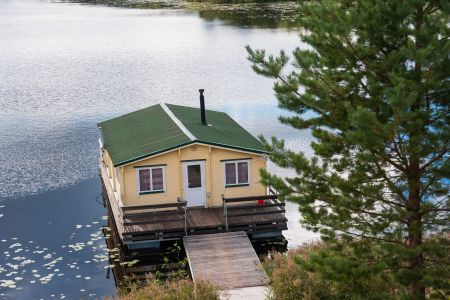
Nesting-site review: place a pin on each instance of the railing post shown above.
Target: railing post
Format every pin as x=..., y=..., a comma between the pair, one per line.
x=185, y=214
x=253, y=216
x=185, y=218
x=121, y=215
x=225, y=211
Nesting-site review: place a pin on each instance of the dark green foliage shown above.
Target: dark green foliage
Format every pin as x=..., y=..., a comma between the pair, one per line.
x=373, y=87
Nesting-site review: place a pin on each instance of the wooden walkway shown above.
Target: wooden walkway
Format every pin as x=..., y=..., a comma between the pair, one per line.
x=227, y=260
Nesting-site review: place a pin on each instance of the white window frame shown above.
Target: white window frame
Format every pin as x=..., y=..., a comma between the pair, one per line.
x=151, y=180
x=224, y=163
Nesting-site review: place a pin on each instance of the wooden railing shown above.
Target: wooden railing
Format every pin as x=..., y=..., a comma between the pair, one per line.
x=155, y=213
x=252, y=206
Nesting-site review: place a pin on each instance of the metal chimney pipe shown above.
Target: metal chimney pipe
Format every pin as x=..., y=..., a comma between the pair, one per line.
x=202, y=107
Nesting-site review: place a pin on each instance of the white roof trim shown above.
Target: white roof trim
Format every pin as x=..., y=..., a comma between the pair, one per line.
x=178, y=122
x=190, y=145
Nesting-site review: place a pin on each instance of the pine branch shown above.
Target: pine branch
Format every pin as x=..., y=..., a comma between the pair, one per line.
x=368, y=68
x=436, y=158
x=373, y=238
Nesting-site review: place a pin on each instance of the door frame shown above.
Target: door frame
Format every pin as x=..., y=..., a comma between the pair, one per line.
x=185, y=164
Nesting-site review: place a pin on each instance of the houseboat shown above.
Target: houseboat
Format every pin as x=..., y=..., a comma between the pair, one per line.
x=170, y=171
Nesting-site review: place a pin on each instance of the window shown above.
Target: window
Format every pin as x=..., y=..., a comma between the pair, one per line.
x=151, y=180
x=194, y=175
x=236, y=173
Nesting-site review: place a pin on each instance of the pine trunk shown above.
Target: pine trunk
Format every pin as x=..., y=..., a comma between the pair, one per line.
x=415, y=232
x=415, y=229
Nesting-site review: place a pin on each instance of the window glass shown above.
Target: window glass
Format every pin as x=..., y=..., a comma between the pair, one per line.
x=194, y=176
x=157, y=179
x=230, y=173
x=144, y=180
x=242, y=168
x=236, y=172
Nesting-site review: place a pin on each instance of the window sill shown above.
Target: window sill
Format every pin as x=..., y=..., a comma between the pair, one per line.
x=237, y=185
x=151, y=192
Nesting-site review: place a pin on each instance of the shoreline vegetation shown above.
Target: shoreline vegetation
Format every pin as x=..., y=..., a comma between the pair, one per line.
x=143, y=4
x=170, y=289
x=171, y=3
x=243, y=13
x=293, y=275
x=290, y=275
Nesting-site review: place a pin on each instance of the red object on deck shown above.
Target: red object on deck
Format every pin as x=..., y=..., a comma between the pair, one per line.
x=261, y=202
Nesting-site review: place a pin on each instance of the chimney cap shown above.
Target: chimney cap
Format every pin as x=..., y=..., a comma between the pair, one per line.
x=201, y=90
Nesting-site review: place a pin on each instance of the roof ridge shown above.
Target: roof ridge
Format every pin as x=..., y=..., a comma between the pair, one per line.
x=178, y=122
x=197, y=108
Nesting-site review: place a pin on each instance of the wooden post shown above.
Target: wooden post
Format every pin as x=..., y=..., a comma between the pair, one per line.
x=185, y=214
x=254, y=212
x=225, y=211
x=185, y=218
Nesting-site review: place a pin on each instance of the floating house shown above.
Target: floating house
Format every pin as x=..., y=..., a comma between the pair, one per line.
x=171, y=171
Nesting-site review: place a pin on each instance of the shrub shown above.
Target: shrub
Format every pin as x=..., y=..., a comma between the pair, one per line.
x=171, y=289
x=291, y=278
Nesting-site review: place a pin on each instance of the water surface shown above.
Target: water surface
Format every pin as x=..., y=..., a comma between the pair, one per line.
x=65, y=67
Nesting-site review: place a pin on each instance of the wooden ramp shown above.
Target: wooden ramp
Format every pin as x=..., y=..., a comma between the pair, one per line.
x=227, y=260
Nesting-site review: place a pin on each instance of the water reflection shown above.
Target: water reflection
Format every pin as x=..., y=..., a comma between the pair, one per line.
x=258, y=15
x=52, y=244
x=262, y=14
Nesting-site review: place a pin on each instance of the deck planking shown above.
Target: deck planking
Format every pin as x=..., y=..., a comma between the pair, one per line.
x=227, y=260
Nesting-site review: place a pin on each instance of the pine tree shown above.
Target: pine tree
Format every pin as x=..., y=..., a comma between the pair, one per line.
x=373, y=87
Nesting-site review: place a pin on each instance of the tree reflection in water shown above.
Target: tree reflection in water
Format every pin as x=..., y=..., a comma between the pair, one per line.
x=258, y=15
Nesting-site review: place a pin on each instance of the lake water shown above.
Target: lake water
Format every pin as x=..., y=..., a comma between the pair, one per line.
x=65, y=67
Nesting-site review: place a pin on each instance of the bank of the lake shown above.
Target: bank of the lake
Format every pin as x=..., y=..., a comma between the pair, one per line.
x=258, y=14
x=171, y=3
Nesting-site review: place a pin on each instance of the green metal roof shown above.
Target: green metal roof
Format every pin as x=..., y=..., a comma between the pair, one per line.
x=159, y=128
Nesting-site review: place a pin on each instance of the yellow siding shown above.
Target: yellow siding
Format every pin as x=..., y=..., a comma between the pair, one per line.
x=218, y=182
x=107, y=161
x=131, y=193
x=111, y=172
x=214, y=175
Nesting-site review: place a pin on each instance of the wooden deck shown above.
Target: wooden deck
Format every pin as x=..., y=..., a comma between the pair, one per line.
x=174, y=220
x=197, y=219
x=227, y=260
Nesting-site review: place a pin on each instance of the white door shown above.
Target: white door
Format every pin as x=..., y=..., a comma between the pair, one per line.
x=194, y=183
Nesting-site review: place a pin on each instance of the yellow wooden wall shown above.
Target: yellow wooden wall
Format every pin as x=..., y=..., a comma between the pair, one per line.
x=112, y=174
x=174, y=176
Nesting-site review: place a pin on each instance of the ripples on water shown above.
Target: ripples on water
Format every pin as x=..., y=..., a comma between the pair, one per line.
x=65, y=67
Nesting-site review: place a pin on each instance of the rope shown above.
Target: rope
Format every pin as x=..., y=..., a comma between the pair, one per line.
x=96, y=199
